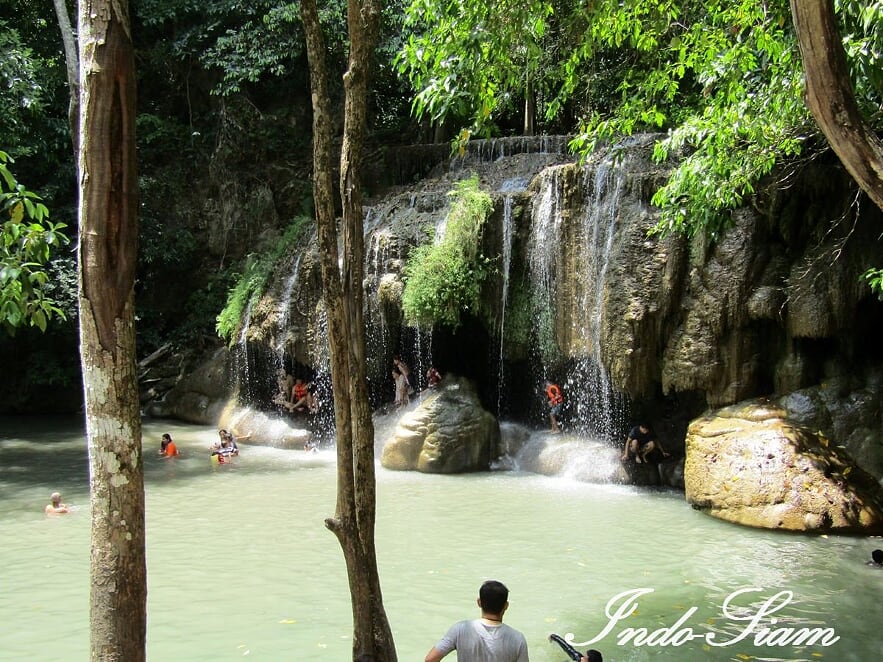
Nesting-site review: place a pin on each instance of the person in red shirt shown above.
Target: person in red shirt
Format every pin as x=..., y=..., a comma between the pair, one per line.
x=556, y=399
x=167, y=447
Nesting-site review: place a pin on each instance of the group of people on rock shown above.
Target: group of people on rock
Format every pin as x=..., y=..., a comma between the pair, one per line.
x=296, y=395
x=401, y=377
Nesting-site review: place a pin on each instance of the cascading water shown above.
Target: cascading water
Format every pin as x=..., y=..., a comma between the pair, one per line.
x=597, y=404
x=241, y=360
x=573, y=312
x=284, y=312
x=509, y=188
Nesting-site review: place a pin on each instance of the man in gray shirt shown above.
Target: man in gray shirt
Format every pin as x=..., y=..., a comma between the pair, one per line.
x=485, y=639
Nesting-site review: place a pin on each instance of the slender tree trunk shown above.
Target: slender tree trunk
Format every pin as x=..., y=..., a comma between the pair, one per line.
x=830, y=96
x=72, y=63
x=353, y=523
x=107, y=258
x=530, y=108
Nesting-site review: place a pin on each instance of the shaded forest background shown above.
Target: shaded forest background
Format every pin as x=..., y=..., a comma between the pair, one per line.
x=224, y=125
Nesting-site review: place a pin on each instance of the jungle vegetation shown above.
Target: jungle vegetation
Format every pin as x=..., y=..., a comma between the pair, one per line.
x=223, y=115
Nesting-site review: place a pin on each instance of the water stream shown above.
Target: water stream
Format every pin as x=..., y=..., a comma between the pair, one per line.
x=240, y=564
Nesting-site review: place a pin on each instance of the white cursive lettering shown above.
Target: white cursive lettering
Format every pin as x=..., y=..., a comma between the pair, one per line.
x=756, y=625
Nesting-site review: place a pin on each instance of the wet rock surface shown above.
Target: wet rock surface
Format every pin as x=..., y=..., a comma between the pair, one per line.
x=752, y=465
x=447, y=432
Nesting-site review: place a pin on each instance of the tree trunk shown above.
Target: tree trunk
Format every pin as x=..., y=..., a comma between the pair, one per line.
x=530, y=109
x=830, y=96
x=353, y=523
x=107, y=258
x=71, y=60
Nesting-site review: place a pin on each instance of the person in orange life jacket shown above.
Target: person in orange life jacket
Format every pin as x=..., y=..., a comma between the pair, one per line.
x=167, y=447
x=301, y=398
x=555, y=400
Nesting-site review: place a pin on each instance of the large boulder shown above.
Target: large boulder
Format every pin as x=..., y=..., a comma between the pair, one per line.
x=199, y=394
x=750, y=464
x=447, y=432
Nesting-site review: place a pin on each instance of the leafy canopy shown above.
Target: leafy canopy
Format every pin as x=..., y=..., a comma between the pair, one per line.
x=469, y=60
x=443, y=279
x=26, y=239
x=722, y=79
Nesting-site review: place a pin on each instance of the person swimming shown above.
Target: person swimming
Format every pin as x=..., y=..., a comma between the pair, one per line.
x=55, y=506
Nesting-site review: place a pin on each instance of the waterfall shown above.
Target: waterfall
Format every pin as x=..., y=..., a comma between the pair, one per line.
x=509, y=188
x=598, y=405
x=543, y=249
x=283, y=311
x=241, y=360
x=568, y=276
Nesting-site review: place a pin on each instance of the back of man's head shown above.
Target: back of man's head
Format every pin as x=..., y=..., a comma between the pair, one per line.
x=594, y=656
x=877, y=556
x=493, y=596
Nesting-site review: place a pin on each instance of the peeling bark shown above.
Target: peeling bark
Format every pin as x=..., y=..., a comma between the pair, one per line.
x=107, y=255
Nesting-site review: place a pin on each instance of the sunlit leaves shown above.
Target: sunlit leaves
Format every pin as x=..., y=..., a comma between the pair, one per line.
x=722, y=79
x=443, y=279
x=27, y=238
x=469, y=60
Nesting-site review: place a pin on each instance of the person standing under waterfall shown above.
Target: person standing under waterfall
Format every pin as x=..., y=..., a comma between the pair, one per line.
x=403, y=368
x=486, y=639
x=555, y=400
x=402, y=391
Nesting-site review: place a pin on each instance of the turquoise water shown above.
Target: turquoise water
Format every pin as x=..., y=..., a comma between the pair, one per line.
x=241, y=566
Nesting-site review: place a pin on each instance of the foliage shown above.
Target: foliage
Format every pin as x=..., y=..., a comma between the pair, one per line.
x=862, y=23
x=245, y=43
x=875, y=280
x=726, y=81
x=723, y=79
x=251, y=283
x=21, y=94
x=471, y=60
x=443, y=279
x=26, y=241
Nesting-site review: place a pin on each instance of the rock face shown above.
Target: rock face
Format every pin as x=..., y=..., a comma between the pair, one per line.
x=198, y=396
x=448, y=432
x=584, y=293
x=751, y=465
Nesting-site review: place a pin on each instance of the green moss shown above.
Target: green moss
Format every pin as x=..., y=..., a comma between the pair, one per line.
x=252, y=282
x=443, y=280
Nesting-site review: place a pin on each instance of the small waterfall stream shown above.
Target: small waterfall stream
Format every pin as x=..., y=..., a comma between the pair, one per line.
x=568, y=277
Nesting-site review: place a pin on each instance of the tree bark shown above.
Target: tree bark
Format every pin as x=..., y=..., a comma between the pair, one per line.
x=830, y=96
x=353, y=523
x=107, y=258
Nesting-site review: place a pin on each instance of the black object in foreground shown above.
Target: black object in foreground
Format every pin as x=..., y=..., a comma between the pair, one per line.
x=572, y=653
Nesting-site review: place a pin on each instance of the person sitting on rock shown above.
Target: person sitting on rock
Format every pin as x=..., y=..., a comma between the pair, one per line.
x=301, y=397
x=433, y=377
x=641, y=443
